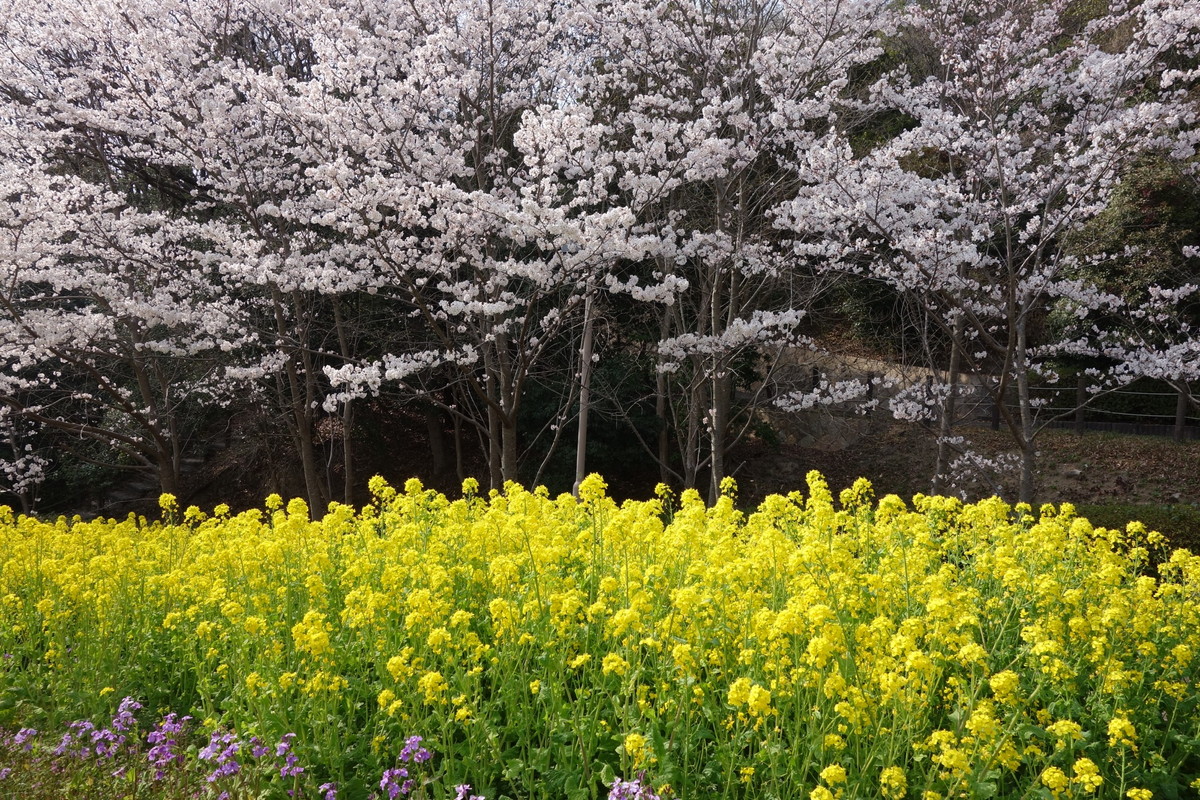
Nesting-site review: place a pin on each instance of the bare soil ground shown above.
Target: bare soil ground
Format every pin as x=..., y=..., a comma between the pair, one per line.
x=1114, y=476
x=1107, y=474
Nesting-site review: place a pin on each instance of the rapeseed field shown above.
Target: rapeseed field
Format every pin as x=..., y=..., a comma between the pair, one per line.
x=518, y=645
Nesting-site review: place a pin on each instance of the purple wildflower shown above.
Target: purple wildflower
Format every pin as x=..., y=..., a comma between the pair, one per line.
x=289, y=768
x=22, y=738
x=463, y=792
x=226, y=769
x=220, y=747
x=170, y=725
x=285, y=744
x=329, y=790
x=4, y=773
x=391, y=783
x=64, y=743
x=162, y=752
x=414, y=751
x=79, y=731
x=223, y=749
x=106, y=742
x=124, y=719
x=257, y=748
x=635, y=789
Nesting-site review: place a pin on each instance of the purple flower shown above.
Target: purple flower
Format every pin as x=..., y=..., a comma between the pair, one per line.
x=330, y=791
x=391, y=782
x=23, y=736
x=162, y=752
x=79, y=731
x=463, y=792
x=64, y=744
x=4, y=773
x=414, y=751
x=285, y=744
x=124, y=719
x=257, y=748
x=106, y=743
x=635, y=789
x=170, y=725
x=289, y=768
x=220, y=747
x=223, y=749
x=226, y=769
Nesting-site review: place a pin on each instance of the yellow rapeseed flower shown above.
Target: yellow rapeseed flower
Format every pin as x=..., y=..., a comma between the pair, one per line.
x=739, y=692
x=634, y=745
x=893, y=783
x=434, y=687
x=1055, y=780
x=1121, y=732
x=613, y=663
x=1086, y=774
x=759, y=700
x=834, y=774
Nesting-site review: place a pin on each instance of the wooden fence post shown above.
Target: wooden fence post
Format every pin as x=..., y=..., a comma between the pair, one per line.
x=1080, y=401
x=1181, y=407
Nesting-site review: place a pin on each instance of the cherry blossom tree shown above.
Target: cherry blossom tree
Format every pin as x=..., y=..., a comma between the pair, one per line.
x=477, y=189
x=1013, y=135
x=192, y=90
x=109, y=329
x=708, y=100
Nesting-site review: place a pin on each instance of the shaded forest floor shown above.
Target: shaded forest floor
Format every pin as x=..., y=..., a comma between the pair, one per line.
x=1076, y=468
x=1110, y=477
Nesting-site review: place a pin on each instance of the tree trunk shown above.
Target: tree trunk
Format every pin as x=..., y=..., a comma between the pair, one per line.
x=494, y=414
x=308, y=461
x=691, y=444
x=495, y=460
x=661, y=408
x=722, y=389
x=348, y=475
x=585, y=385
x=508, y=442
x=1025, y=406
x=949, y=409
x=301, y=395
x=437, y=439
x=459, y=469
x=168, y=474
